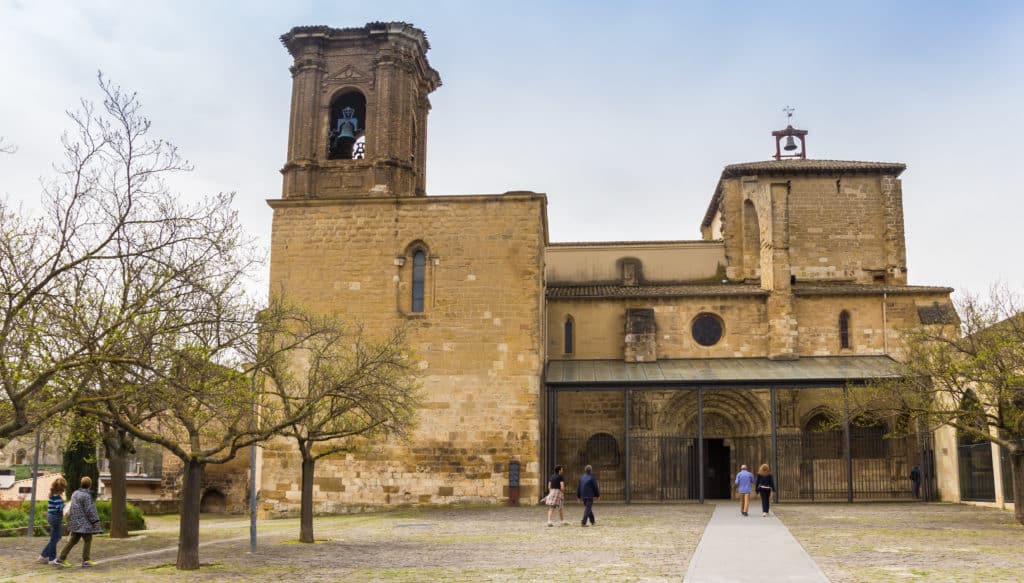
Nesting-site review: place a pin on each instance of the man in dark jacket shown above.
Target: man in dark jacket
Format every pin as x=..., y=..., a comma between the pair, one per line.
x=588, y=492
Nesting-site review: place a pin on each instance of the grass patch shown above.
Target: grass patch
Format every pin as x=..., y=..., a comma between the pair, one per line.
x=24, y=471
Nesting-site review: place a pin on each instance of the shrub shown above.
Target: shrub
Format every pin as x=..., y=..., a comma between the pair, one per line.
x=136, y=521
x=18, y=518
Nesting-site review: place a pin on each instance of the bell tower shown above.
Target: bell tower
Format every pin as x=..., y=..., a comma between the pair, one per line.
x=359, y=111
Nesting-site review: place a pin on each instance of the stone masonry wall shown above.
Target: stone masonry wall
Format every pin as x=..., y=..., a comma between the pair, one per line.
x=600, y=326
x=478, y=341
x=838, y=227
x=818, y=322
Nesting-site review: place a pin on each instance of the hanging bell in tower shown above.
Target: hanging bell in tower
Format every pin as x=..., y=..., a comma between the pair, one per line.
x=790, y=144
x=345, y=129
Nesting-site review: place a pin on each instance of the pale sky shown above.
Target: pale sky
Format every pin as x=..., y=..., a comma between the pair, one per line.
x=623, y=113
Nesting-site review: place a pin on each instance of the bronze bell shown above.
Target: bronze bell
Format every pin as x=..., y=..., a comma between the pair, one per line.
x=790, y=144
x=345, y=131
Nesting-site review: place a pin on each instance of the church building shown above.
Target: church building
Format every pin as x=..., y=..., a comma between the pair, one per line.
x=663, y=364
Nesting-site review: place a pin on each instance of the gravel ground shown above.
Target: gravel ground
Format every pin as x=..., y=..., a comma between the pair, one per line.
x=909, y=542
x=630, y=543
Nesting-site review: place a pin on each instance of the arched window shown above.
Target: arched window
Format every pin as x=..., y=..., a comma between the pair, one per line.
x=569, y=334
x=844, y=329
x=346, y=139
x=822, y=439
x=419, y=271
x=751, y=241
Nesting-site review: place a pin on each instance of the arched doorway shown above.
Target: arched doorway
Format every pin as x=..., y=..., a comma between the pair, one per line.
x=213, y=501
x=736, y=428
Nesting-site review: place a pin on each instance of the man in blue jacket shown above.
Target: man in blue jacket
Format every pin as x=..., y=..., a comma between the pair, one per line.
x=588, y=492
x=744, y=479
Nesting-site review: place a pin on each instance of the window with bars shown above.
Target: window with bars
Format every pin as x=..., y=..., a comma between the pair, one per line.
x=569, y=335
x=844, y=329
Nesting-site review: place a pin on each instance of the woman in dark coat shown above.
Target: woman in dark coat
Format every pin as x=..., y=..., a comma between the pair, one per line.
x=764, y=485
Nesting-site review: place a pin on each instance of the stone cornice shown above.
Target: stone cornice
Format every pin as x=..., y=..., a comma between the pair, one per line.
x=411, y=200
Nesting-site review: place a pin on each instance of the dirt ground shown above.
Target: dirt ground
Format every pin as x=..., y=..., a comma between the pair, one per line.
x=851, y=542
x=630, y=543
x=909, y=542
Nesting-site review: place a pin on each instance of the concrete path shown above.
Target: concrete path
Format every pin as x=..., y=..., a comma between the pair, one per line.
x=749, y=548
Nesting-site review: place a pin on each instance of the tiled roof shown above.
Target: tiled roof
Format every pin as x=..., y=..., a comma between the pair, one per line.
x=853, y=289
x=812, y=167
x=652, y=291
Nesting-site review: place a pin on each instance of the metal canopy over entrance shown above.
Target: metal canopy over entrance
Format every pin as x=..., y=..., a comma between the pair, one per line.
x=815, y=370
x=679, y=429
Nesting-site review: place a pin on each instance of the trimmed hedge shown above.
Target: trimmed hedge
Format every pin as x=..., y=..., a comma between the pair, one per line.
x=18, y=518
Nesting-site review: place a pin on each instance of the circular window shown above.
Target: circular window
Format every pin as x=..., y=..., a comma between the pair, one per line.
x=707, y=329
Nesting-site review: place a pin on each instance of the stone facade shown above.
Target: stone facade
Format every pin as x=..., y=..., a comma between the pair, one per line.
x=478, y=339
x=799, y=259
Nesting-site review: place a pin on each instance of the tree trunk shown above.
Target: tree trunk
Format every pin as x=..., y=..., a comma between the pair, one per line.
x=118, y=445
x=1017, y=469
x=306, y=505
x=118, y=495
x=188, y=530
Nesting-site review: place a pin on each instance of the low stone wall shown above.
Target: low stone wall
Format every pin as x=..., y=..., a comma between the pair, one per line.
x=155, y=507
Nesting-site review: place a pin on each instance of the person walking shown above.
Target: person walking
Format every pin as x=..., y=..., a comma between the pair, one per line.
x=765, y=485
x=55, y=517
x=83, y=522
x=587, y=491
x=744, y=480
x=556, y=495
x=915, y=481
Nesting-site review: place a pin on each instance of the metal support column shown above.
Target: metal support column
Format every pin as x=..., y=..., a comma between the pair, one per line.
x=253, y=493
x=628, y=457
x=925, y=471
x=775, y=448
x=846, y=440
x=700, y=442
x=554, y=430
x=35, y=479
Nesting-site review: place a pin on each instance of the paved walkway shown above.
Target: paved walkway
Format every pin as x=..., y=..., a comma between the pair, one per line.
x=749, y=548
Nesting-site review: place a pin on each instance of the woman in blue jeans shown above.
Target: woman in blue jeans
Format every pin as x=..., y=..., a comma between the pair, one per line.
x=54, y=516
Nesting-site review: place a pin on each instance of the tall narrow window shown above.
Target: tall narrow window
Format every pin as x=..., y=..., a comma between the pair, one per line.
x=419, y=268
x=569, y=332
x=844, y=329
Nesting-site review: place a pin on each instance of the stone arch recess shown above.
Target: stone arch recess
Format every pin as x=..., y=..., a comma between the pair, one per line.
x=727, y=413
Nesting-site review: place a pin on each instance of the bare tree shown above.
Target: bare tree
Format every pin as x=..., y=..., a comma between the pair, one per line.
x=967, y=373
x=353, y=389
x=110, y=245
x=195, y=391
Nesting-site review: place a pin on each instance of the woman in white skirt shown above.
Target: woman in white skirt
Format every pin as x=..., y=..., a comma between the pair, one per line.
x=556, y=495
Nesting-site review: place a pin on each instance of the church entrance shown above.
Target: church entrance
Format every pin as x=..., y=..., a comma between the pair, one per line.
x=687, y=442
x=716, y=469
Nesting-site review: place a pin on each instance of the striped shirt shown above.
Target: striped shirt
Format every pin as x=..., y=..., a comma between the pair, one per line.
x=55, y=505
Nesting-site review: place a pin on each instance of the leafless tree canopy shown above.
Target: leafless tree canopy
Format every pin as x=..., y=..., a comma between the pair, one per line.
x=91, y=279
